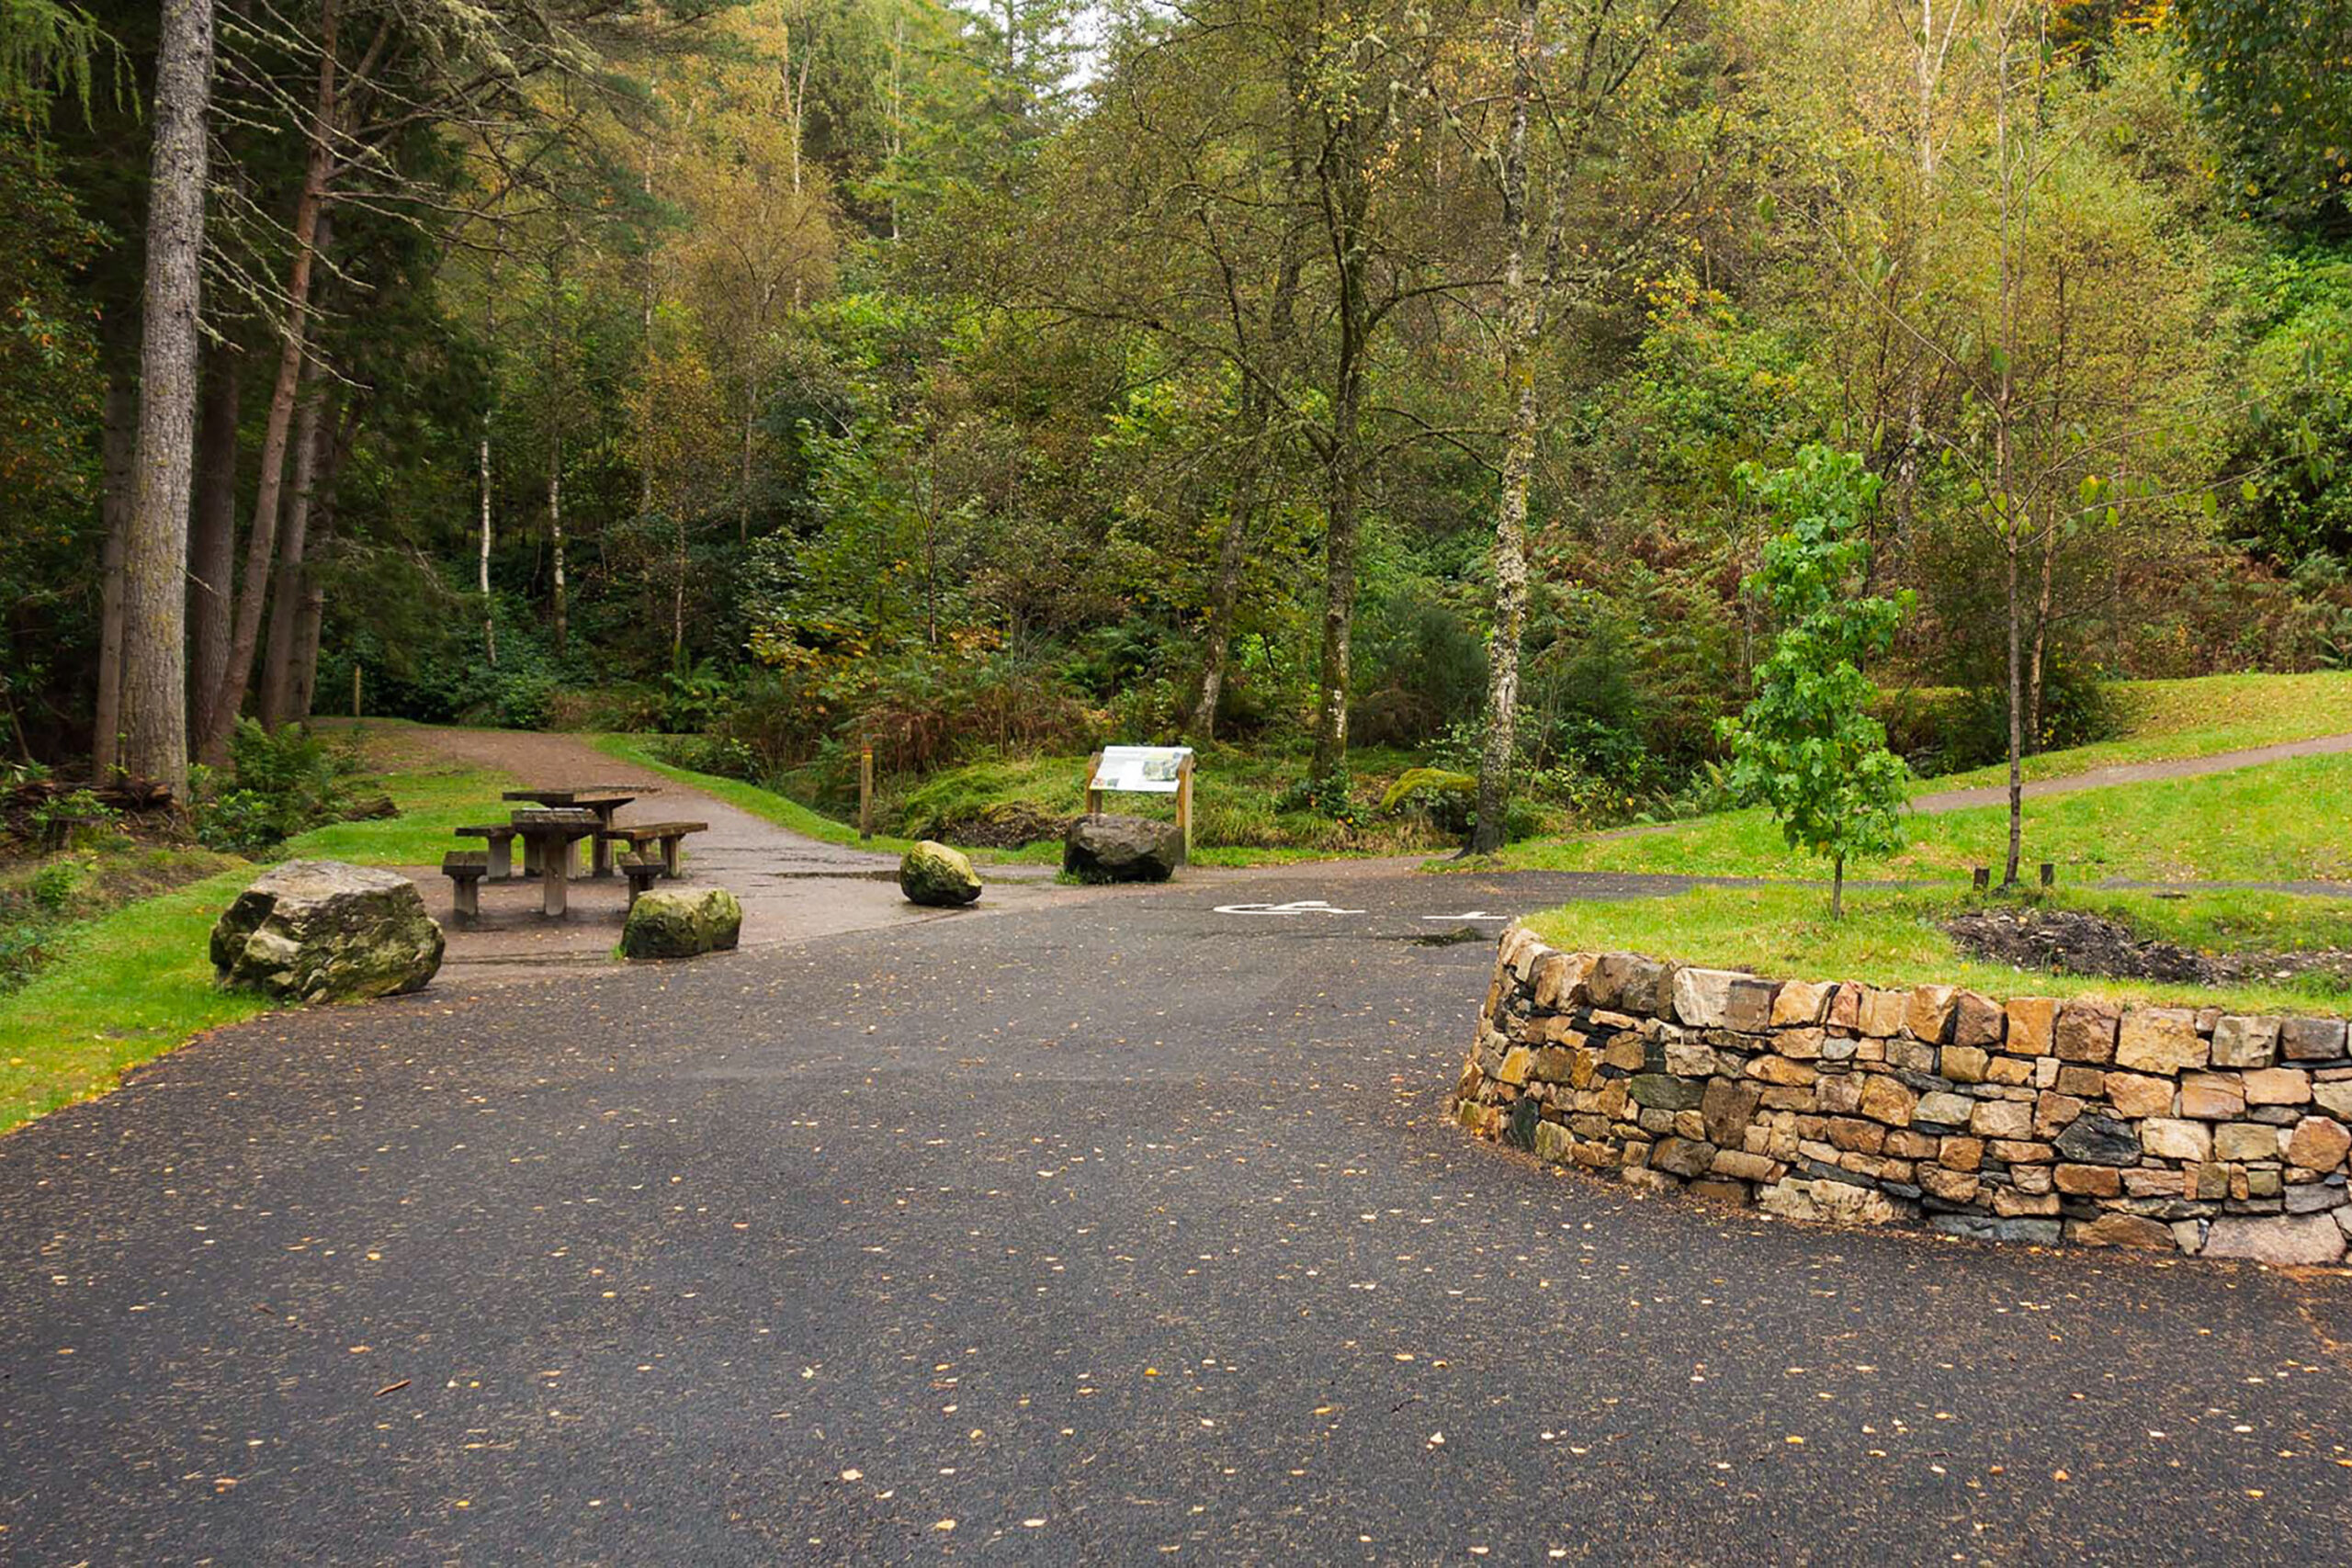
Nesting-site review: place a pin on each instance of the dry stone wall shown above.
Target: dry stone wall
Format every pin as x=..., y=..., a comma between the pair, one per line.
x=2029, y=1120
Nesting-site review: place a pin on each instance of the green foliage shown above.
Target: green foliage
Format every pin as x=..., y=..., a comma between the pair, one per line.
x=1806, y=745
x=2275, y=76
x=1436, y=781
x=282, y=783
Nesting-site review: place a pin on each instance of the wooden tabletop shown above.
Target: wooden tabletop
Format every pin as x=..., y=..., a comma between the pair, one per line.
x=579, y=793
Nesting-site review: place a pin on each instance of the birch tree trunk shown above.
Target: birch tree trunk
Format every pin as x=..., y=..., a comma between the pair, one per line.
x=154, y=652
x=1346, y=196
x=213, y=539
x=482, y=566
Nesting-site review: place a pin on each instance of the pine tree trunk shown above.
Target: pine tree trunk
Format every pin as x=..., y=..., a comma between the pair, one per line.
x=481, y=578
x=118, y=443
x=302, y=690
x=213, y=539
x=310, y=237
x=154, y=590
x=294, y=537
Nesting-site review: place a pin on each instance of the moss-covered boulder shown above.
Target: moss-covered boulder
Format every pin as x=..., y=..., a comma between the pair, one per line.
x=1107, y=847
x=933, y=875
x=679, y=922
x=320, y=930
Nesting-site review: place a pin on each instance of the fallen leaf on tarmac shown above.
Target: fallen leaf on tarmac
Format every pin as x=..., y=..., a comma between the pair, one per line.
x=391, y=1388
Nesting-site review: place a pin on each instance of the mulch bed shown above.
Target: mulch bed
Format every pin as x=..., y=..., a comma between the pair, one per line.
x=2065, y=942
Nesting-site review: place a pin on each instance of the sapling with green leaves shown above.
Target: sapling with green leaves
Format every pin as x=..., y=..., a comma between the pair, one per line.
x=1806, y=745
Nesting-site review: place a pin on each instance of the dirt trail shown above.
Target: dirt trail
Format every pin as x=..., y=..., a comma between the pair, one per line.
x=791, y=887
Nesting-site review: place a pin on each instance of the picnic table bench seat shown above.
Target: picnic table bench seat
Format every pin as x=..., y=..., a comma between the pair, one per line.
x=640, y=870
x=465, y=869
x=501, y=837
x=666, y=835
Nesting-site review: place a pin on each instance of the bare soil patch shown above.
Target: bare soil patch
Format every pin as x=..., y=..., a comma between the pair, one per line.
x=2067, y=942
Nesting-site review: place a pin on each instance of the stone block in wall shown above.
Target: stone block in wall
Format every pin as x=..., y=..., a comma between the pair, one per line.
x=2098, y=1141
x=1977, y=1021
x=2213, y=1097
x=2085, y=1033
x=1802, y=1044
x=1728, y=1105
x=1553, y=1141
x=2313, y=1197
x=2001, y=1119
x=1927, y=1013
x=1682, y=1156
x=1851, y=1134
x=1884, y=1099
x=1950, y=1186
x=2121, y=1230
x=1820, y=1199
x=2318, y=1143
x=1981, y=1227
x=2310, y=1039
x=1560, y=980
x=1961, y=1153
x=1517, y=952
x=1881, y=1012
x=2167, y=1138
x=1798, y=1002
x=2087, y=1180
x=2309, y=1239
x=2245, y=1042
x=2135, y=1095
x=1663, y=1091
x=1844, y=1007
x=1722, y=998
x=2016, y=1071
x=2054, y=1112
x=2082, y=1083
x=1627, y=982
x=2032, y=1020
x=2160, y=1040
x=1837, y=1093
x=2008, y=1203
x=1964, y=1064
x=2279, y=1086
x=1739, y=1166
x=1689, y=1059
x=1780, y=1070
x=1943, y=1108
x=2334, y=1098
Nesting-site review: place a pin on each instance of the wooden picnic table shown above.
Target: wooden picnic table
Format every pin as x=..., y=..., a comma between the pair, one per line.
x=604, y=800
x=548, y=836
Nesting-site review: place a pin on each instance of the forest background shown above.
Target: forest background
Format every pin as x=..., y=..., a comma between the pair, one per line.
x=1348, y=387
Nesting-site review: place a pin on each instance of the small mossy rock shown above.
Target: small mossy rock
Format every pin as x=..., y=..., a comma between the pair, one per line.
x=680, y=922
x=320, y=930
x=937, y=877
x=1106, y=847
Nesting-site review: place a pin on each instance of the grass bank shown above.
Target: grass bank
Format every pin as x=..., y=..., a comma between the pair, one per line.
x=1895, y=938
x=129, y=985
x=2287, y=821
x=1237, y=816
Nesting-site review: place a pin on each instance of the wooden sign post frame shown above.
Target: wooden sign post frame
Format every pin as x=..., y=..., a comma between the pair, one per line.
x=1183, y=797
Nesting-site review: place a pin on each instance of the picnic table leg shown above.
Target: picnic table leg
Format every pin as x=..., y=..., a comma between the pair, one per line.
x=554, y=864
x=531, y=857
x=670, y=856
x=502, y=858
x=469, y=900
x=603, y=854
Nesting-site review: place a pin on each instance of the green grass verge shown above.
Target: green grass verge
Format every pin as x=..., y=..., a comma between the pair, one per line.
x=138, y=982
x=2166, y=719
x=1895, y=938
x=1235, y=822
x=2287, y=821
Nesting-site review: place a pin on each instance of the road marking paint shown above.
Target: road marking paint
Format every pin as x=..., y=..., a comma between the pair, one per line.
x=1297, y=907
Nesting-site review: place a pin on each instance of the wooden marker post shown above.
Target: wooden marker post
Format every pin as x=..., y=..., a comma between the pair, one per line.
x=355, y=688
x=1093, y=796
x=865, y=793
x=1185, y=804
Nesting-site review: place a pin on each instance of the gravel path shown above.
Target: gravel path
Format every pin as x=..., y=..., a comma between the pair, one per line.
x=2135, y=772
x=791, y=887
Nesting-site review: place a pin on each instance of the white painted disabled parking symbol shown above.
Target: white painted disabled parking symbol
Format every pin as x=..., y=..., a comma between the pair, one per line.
x=1297, y=907
x=1467, y=915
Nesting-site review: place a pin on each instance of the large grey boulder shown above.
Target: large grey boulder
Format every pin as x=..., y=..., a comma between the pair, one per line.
x=320, y=930
x=679, y=922
x=935, y=876
x=1106, y=847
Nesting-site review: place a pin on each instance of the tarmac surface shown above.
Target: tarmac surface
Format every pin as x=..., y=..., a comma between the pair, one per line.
x=1111, y=1227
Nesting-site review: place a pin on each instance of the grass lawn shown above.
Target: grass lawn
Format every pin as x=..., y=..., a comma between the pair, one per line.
x=138, y=982
x=2287, y=821
x=1894, y=937
x=2163, y=719
x=1235, y=820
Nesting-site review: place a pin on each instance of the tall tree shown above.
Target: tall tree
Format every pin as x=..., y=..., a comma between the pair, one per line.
x=154, y=681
